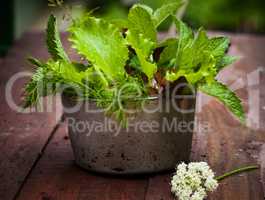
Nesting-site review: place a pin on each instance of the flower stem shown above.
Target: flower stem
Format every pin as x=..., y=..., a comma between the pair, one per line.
x=236, y=171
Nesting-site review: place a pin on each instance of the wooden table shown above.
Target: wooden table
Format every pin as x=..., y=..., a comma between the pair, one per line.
x=36, y=160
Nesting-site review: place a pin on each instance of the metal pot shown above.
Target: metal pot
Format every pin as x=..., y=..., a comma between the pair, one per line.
x=152, y=142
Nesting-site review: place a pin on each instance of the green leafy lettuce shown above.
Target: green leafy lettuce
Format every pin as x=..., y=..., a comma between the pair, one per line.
x=102, y=44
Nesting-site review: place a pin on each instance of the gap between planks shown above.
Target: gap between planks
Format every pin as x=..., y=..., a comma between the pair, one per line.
x=40, y=155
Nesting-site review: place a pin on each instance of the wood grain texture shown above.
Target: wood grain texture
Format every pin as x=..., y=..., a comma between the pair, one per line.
x=22, y=136
x=57, y=177
x=159, y=188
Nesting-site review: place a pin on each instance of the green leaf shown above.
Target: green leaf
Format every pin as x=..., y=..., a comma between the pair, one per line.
x=135, y=63
x=67, y=71
x=143, y=48
x=166, y=42
x=201, y=41
x=226, y=60
x=169, y=52
x=165, y=11
x=206, y=72
x=102, y=44
x=225, y=95
x=37, y=86
x=146, y=7
x=218, y=46
x=185, y=34
x=49, y=77
x=140, y=22
x=199, y=58
x=193, y=53
x=120, y=23
x=35, y=62
x=202, y=47
x=53, y=41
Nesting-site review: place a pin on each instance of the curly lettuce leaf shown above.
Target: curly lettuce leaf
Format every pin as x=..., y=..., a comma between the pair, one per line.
x=142, y=19
x=140, y=22
x=226, y=96
x=102, y=44
x=165, y=11
x=53, y=41
x=143, y=49
x=169, y=53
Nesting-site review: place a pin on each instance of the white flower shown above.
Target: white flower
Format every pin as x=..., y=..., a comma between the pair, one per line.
x=193, y=181
x=199, y=194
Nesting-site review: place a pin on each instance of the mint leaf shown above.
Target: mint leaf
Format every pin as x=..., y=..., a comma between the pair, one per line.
x=53, y=41
x=225, y=95
x=140, y=22
x=185, y=33
x=165, y=11
x=193, y=60
x=226, y=60
x=102, y=44
x=218, y=46
x=199, y=58
x=143, y=48
x=201, y=42
x=205, y=72
x=194, y=53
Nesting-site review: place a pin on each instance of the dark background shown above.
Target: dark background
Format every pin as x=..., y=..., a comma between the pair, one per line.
x=247, y=16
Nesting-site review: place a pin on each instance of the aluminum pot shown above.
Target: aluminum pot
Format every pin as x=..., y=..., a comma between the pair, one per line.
x=157, y=137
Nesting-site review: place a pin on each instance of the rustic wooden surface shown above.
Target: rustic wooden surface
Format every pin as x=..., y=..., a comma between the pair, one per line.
x=22, y=136
x=36, y=160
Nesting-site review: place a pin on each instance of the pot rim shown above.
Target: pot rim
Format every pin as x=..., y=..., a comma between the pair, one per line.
x=150, y=98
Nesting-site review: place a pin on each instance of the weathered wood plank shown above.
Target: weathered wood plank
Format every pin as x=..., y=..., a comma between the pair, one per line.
x=159, y=188
x=22, y=136
x=229, y=147
x=57, y=177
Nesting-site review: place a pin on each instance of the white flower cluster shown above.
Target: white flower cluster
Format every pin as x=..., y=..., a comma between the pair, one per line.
x=193, y=181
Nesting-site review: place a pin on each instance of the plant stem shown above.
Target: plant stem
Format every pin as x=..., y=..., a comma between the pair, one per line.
x=236, y=171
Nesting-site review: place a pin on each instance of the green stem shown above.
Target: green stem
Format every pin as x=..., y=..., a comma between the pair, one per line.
x=236, y=171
